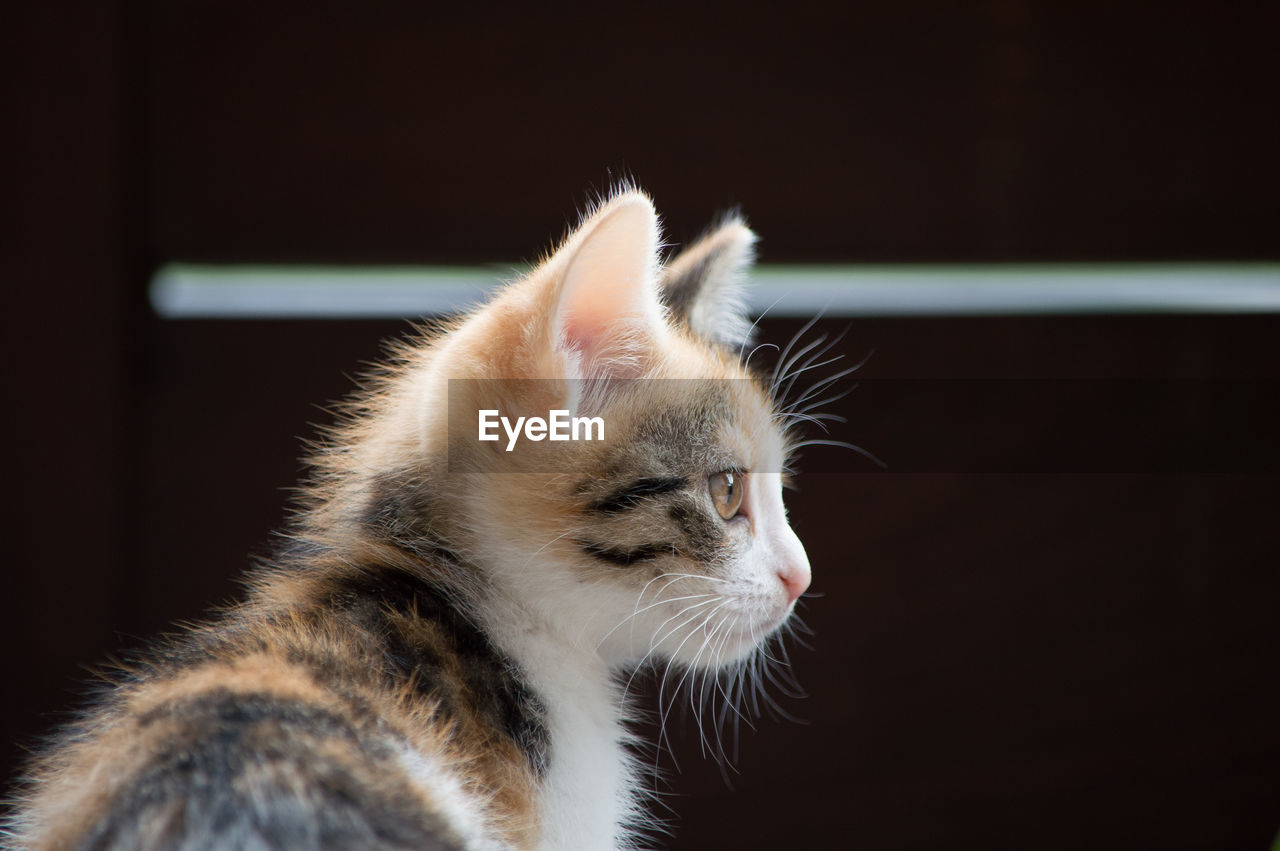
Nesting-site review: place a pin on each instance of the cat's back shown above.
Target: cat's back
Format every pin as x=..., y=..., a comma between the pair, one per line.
x=284, y=724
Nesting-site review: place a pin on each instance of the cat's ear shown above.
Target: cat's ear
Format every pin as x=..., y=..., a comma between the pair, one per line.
x=704, y=285
x=608, y=312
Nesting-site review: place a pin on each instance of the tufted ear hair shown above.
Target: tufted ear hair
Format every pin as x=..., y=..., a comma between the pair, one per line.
x=703, y=286
x=608, y=313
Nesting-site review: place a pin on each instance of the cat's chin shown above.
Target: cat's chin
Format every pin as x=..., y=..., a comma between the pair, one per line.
x=737, y=643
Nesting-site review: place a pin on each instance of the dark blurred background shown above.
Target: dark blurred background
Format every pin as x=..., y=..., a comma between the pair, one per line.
x=1051, y=623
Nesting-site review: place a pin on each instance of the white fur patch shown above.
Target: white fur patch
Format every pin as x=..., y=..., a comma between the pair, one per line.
x=453, y=802
x=586, y=799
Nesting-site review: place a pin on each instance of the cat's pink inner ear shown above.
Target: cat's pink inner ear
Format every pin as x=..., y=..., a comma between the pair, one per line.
x=609, y=309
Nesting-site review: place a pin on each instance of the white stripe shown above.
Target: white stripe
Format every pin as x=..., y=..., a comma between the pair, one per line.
x=292, y=292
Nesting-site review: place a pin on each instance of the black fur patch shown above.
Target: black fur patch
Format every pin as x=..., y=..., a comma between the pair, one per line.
x=624, y=557
x=636, y=492
x=258, y=770
x=491, y=686
x=703, y=533
x=397, y=515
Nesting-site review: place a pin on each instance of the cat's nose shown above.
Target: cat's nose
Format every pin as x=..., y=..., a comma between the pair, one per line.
x=792, y=565
x=795, y=580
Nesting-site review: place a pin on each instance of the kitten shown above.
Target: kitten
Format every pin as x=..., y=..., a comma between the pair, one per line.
x=433, y=661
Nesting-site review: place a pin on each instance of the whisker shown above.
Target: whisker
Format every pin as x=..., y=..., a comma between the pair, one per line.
x=843, y=444
x=782, y=357
x=746, y=365
x=747, y=337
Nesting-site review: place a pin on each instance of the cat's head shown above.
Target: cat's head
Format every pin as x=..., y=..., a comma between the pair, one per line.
x=668, y=537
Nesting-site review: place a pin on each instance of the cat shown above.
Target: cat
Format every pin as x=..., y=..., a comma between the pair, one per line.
x=433, y=660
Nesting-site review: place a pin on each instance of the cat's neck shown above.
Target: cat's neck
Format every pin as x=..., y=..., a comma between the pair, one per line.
x=587, y=796
x=556, y=636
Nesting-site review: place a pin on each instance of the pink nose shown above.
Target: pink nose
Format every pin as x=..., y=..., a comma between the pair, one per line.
x=795, y=581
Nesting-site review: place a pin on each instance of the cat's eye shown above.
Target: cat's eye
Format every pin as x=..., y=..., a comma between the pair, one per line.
x=727, y=490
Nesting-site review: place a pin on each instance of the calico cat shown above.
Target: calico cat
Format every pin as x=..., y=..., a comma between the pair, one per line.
x=433, y=661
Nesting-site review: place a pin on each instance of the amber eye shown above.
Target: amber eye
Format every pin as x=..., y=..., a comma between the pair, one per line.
x=727, y=490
